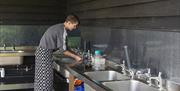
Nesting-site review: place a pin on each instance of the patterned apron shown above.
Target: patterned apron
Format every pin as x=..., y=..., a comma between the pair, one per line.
x=43, y=70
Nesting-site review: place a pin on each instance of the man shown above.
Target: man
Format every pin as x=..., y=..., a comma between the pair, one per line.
x=53, y=39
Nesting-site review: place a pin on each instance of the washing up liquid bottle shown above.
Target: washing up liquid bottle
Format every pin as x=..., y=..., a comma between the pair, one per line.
x=99, y=61
x=78, y=85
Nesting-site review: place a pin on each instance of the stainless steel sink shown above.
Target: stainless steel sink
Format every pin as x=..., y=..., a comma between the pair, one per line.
x=11, y=60
x=128, y=85
x=106, y=75
x=14, y=57
x=63, y=59
x=67, y=60
x=11, y=57
x=172, y=86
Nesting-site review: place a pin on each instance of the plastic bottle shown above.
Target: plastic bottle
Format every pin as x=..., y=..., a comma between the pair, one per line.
x=102, y=63
x=99, y=62
x=78, y=85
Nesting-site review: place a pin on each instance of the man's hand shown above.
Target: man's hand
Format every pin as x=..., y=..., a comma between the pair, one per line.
x=78, y=58
x=72, y=55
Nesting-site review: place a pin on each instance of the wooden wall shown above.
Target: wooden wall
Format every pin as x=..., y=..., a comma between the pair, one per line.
x=127, y=13
x=32, y=11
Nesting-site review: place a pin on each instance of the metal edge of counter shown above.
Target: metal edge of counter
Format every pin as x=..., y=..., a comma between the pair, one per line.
x=95, y=85
x=16, y=86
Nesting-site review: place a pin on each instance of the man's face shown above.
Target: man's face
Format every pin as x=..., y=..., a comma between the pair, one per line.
x=71, y=26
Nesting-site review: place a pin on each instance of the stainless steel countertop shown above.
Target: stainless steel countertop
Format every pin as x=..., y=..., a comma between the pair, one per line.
x=77, y=70
x=68, y=66
x=16, y=86
x=24, y=53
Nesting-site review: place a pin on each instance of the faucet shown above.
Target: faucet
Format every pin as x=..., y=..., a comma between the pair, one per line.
x=145, y=73
x=158, y=79
x=2, y=71
x=123, y=66
x=13, y=47
x=4, y=46
x=87, y=58
x=131, y=73
x=125, y=70
x=127, y=56
x=129, y=68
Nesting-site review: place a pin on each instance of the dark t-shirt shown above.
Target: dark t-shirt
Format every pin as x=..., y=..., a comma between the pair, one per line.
x=53, y=38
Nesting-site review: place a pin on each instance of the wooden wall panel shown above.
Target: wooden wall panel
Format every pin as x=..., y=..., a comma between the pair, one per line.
x=28, y=16
x=164, y=23
x=27, y=12
x=77, y=2
x=10, y=9
x=128, y=13
x=163, y=8
x=32, y=2
x=102, y=4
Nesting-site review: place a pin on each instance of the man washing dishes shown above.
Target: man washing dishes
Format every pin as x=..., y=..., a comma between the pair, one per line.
x=53, y=39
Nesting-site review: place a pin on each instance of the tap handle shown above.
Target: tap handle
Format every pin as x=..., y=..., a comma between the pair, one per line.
x=123, y=67
x=4, y=45
x=149, y=71
x=160, y=73
x=160, y=81
x=123, y=64
x=127, y=56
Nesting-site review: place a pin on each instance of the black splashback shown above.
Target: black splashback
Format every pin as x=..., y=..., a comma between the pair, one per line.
x=21, y=35
x=153, y=49
x=158, y=50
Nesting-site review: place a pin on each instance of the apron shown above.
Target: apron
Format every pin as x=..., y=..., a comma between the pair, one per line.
x=43, y=70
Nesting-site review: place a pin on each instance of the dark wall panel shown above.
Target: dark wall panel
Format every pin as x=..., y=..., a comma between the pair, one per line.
x=77, y=2
x=32, y=16
x=32, y=12
x=21, y=35
x=131, y=13
x=171, y=23
x=32, y=9
x=163, y=8
x=32, y=2
x=103, y=4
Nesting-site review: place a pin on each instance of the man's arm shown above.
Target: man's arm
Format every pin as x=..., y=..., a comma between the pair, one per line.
x=72, y=55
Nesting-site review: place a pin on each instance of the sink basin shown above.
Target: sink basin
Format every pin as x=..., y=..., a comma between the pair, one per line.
x=128, y=85
x=63, y=59
x=11, y=60
x=109, y=75
x=10, y=57
x=67, y=60
x=172, y=86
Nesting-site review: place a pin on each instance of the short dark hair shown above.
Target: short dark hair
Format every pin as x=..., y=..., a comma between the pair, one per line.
x=72, y=18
